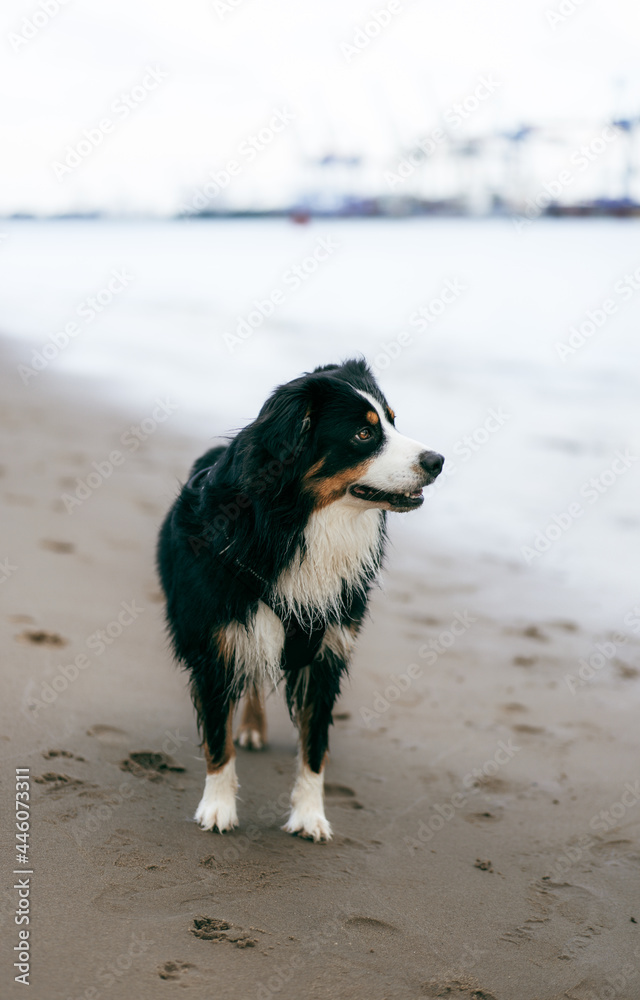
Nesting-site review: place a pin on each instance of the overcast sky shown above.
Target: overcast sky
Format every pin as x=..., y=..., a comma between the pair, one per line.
x=222, y=69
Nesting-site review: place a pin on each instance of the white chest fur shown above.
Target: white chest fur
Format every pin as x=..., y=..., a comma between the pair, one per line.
x=341, y=542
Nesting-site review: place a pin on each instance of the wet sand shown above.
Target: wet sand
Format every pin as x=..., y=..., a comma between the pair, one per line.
x=484, y=796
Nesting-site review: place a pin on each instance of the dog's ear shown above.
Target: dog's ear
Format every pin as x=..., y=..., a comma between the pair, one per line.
x=285, y=421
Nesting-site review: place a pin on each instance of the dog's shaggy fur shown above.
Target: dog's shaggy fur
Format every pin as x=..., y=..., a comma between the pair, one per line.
x=267, y=558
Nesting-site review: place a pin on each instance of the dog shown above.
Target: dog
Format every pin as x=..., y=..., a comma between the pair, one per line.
x=267, y=558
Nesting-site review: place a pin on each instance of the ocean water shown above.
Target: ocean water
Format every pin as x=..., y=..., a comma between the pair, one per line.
x=467, y=323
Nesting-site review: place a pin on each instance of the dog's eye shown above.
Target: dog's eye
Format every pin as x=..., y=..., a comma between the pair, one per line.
x=364, y=434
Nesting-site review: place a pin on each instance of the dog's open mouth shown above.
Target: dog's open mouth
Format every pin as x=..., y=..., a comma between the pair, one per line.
x=398, y=501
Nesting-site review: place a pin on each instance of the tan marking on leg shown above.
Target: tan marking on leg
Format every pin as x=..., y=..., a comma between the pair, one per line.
x=303, y=720
x=213, y=766
x=252, y=733
x=225, y=648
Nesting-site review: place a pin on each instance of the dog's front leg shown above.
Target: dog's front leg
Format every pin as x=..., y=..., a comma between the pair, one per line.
x=217, y=808
x=311, y=694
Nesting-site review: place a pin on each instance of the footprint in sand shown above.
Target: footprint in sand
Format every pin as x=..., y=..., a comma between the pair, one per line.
x=625, y=672
x=51, y=545
x=50, y=754
x=176, y=971
x=38, y=637
x=150, y=765
x=213, y=929
x=524, y=661
x=357, y=845
x=553, y=903
x=345, y=796
x=110, y=735
x=373, y=924
x=339, y=791
x=483, y=817
x=210, y=862
x=529, y=632
x=56, y=782
x=464, y=988
x=566, y=626
x=513, y=706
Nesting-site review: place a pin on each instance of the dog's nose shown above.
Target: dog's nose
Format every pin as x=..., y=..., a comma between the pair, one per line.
x=431, y=462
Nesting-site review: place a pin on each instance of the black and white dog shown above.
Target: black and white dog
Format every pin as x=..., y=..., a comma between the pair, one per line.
x=267, y=558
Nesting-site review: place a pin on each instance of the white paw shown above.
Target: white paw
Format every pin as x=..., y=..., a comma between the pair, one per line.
x=217, y=807
x=307, y=807
x=313, y=826
x=250, y=739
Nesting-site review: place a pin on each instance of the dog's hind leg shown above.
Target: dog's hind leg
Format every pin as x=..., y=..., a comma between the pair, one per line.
x=252, y=733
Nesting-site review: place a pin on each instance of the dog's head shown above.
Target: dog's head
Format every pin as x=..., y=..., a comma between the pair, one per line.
x=334, y=431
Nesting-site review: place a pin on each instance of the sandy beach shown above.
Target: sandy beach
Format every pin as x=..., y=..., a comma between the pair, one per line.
x=484, y=794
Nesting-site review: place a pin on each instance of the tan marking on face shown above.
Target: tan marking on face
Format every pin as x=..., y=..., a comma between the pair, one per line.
x=328, y=489
x=391, y=415
x=314, y=470
x=373, y=417
x=213, y=764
